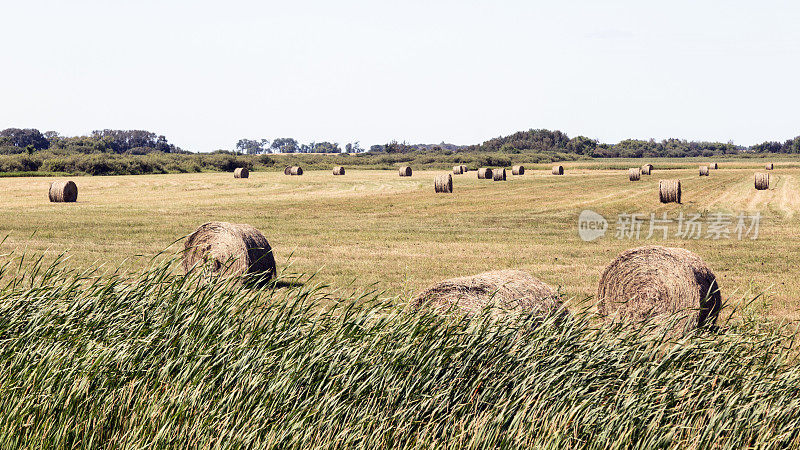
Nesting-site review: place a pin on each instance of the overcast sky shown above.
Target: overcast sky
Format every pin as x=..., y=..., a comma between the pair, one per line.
x=207, y=73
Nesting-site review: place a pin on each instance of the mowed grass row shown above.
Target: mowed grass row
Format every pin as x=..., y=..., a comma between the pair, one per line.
x=376, y=228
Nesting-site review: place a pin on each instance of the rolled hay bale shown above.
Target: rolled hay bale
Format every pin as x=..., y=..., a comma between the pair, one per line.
x=499, y=174
x=241, y=172
x=287, y=170
x=484, y=173
x=458, y=170
x=296, y=170
x=229, y=250
x=703, y=171
x=63, y=191
x=464, y=169
x=405, y=171
x=659, y=283
x=443, y=184
x=518, y=170
x=634, y=173
x=338, y=170
x=762, y=181
x=669, y=191
x=769, y=166
x=501, y=290
x=713, y=166
x=646, y=169
x=558, y=170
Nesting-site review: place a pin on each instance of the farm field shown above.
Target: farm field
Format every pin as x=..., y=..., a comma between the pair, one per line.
x=375, y=229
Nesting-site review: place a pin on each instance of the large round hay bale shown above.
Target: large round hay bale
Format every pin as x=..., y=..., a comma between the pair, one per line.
x=769, y=166
x=484, y=173
x=669, y=191
x=558, y=170
x=646, y=169
x=499, y=174
x=228, y=249
x=405, y=171
x=713, y=166
x=762, y=181
x=659, y=283
x=703, y=171
x=287, y=170
x=443, y=183
x=458, y=170
x=296, y=170
x=241, y=172
x=464, y=169
x=338, y=170
x=518, y=170
x=501, y=290
x=63, y=191
x=634, y=174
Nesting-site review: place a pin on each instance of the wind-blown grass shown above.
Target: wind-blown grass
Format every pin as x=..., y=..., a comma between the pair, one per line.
x=90, y=360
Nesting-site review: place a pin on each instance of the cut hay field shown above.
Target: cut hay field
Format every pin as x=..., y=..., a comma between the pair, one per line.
x=375, y=228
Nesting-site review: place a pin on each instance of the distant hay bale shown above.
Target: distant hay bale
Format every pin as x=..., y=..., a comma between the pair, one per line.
x=296, y=170
x=464, y=169
x=634, y=173
x=769, y=166
x=762, y=181
x=229, y=250
x=241, y=172
x=458, y=170
x=443, y=183
x=405, y=171
x=713, y=166
x=518, y=170
x=558, y=170
x=502, y=290
x=287, y=170
x=659, y=283
x=484, y=173
x=499, y=174
x=63, y=191
x=703, y=171
x=338, y=170
x=669, y=191
x=646, y=169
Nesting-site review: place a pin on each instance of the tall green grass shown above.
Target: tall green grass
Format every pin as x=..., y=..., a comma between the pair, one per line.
x=157, y=360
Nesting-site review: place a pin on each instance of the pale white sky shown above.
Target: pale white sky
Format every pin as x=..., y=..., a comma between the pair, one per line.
x=206, y=73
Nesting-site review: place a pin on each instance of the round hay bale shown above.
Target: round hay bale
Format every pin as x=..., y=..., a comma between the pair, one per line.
x=464, y=169
x=769, y=166
x=499, y=174
x=669, y=191
x=338, y=170
x=713, y=166
x=518, y=170
x=502, y=290
x=703, y=171
x=228, y=249
x=655, y=282
x=443, y=183
x=458, y=170
x=646, y=169
x=484, y=173
x=762, y=181
x=63, y=191
x=241, y=172
x=634, y=174
x=558, y=170
x=405, y=171
x=287, y=170
x=296, y=170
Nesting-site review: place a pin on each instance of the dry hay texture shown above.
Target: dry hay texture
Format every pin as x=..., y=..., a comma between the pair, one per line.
x=296, y=170
x=703, y=171
x=338, y=170
x=669, y=191
x=484, y=173
x=287, y=170
x=63, y=191
x=769, y=166
x=558, y=170
x=458, y=170
x=762, y=181
x=499, y=174
x=634, y=174
x=501, y=290
x=405, y=171
x=661, y=284
x=518, y=170
x=646, y=169
x=713, y=166
x=443, y=183
x=241, y=172
x=229, y=250
x=464, y=169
